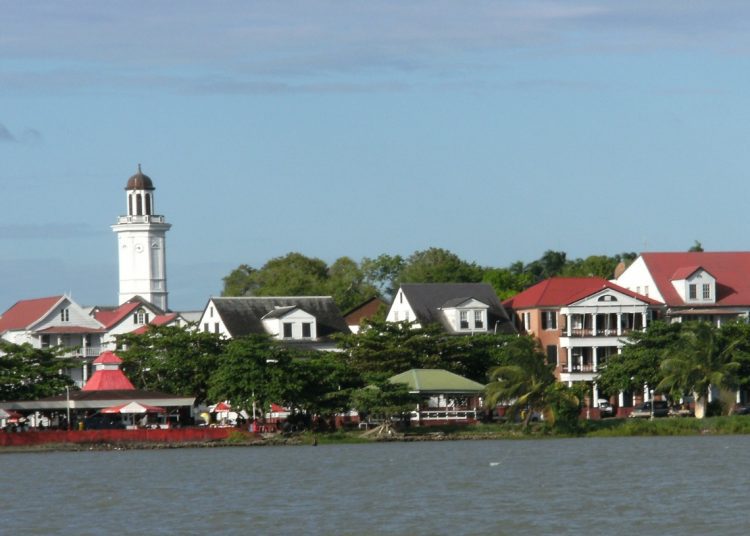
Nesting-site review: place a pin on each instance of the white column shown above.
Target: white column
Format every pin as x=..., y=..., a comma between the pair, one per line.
x=593, y=324
x=619, y=324
x=569, y=324
x=595, y=393
x=644, y=316
x=646, y=397
x=595, y=350
x=621, y=399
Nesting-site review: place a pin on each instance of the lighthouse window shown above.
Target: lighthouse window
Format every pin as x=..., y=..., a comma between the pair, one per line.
x=148, y=204
x=138, y=205
x=130, y=205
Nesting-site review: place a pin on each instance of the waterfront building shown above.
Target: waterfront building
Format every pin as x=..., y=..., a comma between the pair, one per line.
x=304, y=321
x=460, y=308
x=580, y=322
x=695, y=285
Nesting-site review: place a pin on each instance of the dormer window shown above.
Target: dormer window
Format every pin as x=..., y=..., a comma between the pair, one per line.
x=706, y=291
x=478, y=320
x=464, y=320
x=287, y=330
x=306, y=330
x=692, y=292
x=140, y=317
x=65, y=315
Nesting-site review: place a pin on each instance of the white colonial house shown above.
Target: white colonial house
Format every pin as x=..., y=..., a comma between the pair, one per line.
x=307, y=320
x=710, y=286
x=460, y=308
x=55, y=321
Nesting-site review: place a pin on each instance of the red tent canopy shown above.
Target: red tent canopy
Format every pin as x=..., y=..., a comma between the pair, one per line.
x=221, y=406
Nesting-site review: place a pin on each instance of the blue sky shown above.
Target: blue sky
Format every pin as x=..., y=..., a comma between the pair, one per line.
x=497, y=130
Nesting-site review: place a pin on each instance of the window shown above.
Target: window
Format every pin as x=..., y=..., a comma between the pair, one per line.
x=464, y=319
x=216, y=328
x=287, y=330
x=400, y=297
x=211, y=311
x=205, y=327
x=45, y=341
x=306, y=330
x=527, y=321
x=478, y=322
x=645, y=290
x=406, y=315
x=140, y=317
x=706, y=291
x=552, y=354
x=549, y=320
x=692, y=292
x=65, y=315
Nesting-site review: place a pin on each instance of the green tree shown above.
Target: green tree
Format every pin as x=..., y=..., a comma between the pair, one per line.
x=384, y=400
x=507, y=282
x=550, y=264
x=526, y=382
x=252, y=372
x=696, y=247
x=382, y=349
x=699, y=359
x=436, y=265
x=383, y=273
x=239, y=282
x=321, y=384
x=347, y=285
x=176, y=360
x=28, y=373
x=639, y=363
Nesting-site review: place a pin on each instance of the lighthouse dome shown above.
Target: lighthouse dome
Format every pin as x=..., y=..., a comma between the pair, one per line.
x=140, y=181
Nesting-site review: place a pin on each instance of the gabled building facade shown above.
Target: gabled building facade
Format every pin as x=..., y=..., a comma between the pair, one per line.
x=460, y=308
x=55, y=321
x=710, y=286
x=304, y=320
x=580, y=322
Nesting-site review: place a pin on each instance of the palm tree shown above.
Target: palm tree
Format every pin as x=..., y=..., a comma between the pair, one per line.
x=699, y=359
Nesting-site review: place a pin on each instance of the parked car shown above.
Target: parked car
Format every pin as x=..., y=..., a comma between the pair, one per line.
x=742, y=409
x=661, y=409
x=605, y=408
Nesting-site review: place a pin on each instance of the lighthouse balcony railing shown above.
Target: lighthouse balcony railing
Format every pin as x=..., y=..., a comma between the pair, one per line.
x=150, y=218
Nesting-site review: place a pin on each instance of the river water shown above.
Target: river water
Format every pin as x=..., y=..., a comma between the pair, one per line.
x=633, y=486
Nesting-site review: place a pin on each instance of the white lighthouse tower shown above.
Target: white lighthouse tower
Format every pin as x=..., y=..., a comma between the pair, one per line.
x=141, y=245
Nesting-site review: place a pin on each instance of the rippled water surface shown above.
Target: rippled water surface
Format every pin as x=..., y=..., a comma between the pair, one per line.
x=638, y=486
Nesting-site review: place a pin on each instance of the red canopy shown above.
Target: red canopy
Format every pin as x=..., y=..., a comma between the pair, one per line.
x=221, y=406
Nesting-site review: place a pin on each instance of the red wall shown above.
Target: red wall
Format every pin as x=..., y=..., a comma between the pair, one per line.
x=115, y=436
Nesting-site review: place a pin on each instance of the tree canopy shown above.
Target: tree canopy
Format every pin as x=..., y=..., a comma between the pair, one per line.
x=28, y=373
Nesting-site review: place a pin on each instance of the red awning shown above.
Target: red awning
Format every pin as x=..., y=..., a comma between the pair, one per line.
x=221, y=406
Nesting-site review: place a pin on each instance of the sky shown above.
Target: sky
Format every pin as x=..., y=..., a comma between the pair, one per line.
x=495, y=129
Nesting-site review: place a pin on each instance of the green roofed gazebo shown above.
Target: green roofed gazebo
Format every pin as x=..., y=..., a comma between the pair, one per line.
x=450, y=398
x=437, y=382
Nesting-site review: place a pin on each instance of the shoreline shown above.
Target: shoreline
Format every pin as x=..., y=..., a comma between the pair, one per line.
x=734, y=425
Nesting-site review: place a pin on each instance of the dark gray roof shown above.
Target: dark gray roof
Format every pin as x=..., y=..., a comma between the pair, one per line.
x=426, y=300
x=242, y=316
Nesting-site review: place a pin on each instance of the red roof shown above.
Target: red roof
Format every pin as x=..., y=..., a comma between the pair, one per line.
x=158, y=320
x=730, y=269
x=107, y=358
x=108, y=380
x=222, y=406
x=113, y=317
x=25, y=312
x=560, y=291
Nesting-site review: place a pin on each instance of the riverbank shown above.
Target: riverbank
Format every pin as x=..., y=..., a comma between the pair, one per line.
x=734, y=425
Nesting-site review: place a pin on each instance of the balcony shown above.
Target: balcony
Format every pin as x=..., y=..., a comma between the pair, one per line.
x=586, y=367
x=151, y=218
x=89, y=351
